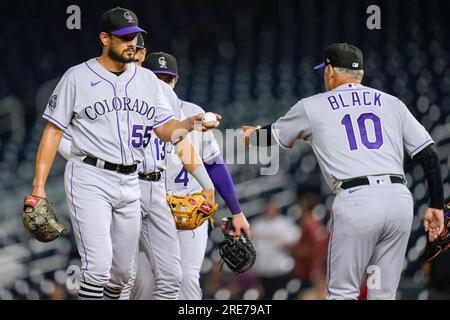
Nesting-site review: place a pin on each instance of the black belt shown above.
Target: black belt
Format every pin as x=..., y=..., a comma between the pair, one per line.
x=112, y=166
x=152, y=176
x=361, y=181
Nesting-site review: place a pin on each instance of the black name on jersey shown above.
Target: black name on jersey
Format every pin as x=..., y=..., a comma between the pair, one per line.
x=101, y=108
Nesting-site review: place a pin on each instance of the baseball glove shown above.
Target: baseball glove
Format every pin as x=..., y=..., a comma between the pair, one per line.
x=41, y=221
x=238, y=254
x=442, y=242
x=191, y=211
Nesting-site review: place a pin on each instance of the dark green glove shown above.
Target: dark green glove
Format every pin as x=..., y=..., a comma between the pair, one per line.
x=40, y=220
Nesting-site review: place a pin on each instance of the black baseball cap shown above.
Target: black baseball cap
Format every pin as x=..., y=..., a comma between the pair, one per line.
x=342, y=55
x=119, y=21
x=161, y=63
x=140, y=41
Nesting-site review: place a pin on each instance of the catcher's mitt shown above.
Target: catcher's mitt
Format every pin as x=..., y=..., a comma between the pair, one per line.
x=41, y=221
x=191, y=211
x=238, y=254
x=442, y=242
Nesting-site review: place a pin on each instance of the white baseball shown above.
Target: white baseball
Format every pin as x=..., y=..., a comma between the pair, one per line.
x=209, y=119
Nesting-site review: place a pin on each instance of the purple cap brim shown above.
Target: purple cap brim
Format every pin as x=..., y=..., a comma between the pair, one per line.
x=165, y=72
x=320, y=66
x=128, y=30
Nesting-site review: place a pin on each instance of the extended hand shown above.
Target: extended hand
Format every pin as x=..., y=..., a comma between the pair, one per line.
x=246, y=131
x=197, y=121
x=240, y=223
x=209, y=194
x=433, y=222
x=38, y=192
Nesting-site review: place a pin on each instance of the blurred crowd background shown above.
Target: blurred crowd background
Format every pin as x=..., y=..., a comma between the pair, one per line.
x=249, y=61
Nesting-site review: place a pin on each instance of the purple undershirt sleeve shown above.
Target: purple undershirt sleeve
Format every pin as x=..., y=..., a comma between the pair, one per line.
x=221, y=178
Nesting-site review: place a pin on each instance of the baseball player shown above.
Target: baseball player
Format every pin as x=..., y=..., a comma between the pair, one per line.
x=192, y=243
x=66, y=141
x=110, y=105
x=152, y=187
x=358, y=134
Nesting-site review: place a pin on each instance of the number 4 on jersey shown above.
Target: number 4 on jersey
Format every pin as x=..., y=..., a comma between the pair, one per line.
x=182, y=177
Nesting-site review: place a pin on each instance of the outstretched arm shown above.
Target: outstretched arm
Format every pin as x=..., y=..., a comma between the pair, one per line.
x=294, y=125
x=173, y=130
x=221, y=177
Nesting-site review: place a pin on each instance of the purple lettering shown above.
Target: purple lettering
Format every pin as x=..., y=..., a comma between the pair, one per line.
x=355, y=99
x=377, y=99
x=342, y=101
x=367, y=103
x=333, y=102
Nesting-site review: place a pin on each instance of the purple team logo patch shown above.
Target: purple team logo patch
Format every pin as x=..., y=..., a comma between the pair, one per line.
x=52, y=102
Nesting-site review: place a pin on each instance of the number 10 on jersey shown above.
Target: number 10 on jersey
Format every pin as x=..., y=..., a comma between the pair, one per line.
x=362, y=119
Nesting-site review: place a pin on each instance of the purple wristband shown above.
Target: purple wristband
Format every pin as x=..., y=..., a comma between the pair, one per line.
x=221, y=178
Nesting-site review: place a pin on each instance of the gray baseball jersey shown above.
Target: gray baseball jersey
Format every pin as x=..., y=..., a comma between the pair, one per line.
x=158, y=239
x=97, y=104
x=153, y=203
x=168, y=245
x=179, y=181
x=110, y=118
x=359, y=131
x=354, y=131
x=155, y=148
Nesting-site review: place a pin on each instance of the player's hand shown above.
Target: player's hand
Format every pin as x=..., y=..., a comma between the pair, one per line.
x=433, y=222
x=197, y=121
x=240, y=223
x=39, y=192
x=246, y=131
x=209, y=194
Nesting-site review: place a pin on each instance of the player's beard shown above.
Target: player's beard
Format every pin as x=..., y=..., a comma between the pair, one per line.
x=122, y=58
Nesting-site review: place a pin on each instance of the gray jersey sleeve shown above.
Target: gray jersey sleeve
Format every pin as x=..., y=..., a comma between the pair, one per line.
x=60, y=106
x=164, y=111
x=64, y=147
x=65, y=144
x=292, y=126
x=172, y=98
x=205, y=142
x=415, y=136
x=210, y=147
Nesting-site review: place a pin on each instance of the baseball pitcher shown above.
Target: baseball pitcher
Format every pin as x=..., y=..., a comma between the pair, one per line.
x=109, y=104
